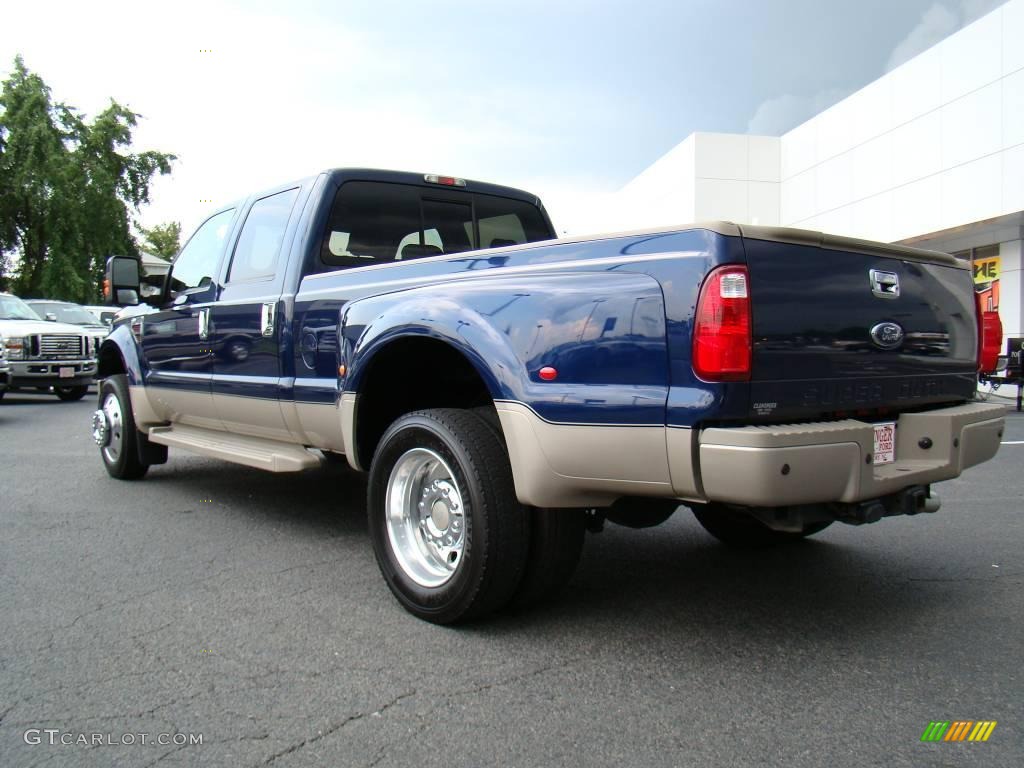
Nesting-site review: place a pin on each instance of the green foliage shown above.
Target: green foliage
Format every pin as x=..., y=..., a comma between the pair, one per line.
x=163, y=240
x=66, y=190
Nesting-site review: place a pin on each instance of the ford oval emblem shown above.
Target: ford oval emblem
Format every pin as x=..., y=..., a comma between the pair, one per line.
x=887, y=335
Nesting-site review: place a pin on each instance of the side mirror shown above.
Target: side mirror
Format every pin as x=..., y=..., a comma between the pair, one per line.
x=121, y=281
x=50, y=316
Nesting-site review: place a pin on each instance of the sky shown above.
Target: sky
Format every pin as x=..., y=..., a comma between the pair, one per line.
x=566, y=98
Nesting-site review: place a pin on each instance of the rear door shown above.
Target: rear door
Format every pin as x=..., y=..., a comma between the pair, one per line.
x=868, y=332
x=175, y=338
x=247, y=319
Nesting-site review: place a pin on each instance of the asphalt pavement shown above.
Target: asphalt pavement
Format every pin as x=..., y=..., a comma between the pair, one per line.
x=246, y=608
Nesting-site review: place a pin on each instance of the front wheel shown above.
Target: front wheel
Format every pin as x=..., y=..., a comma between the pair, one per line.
x=70, y=394
x=449, y=535
x=737, y=528
x=113, y=429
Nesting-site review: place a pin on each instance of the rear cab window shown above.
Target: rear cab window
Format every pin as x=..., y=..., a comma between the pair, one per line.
x=382, y=222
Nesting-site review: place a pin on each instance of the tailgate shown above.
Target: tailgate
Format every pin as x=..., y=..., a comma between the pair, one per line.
x=832, y=337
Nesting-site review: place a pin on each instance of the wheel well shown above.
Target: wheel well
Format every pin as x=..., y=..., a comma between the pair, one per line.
x=111, y=363
x=411, y=374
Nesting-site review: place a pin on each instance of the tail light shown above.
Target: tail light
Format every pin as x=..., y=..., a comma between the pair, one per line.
x=721, y=328
x=990, y=338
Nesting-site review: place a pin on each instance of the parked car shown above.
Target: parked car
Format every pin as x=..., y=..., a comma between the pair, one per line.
x=495, y=387
x=46, y=354
x=73, y=314
x=5, y=369
x=105, y=314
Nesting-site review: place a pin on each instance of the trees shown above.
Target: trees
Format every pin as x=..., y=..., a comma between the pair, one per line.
x=67, y=187
x=163, y=240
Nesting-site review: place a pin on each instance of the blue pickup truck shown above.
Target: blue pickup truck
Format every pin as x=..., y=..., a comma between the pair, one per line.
x=506, y=390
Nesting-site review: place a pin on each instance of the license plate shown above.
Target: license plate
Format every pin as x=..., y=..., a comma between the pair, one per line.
x=885, y=443
x=68, y=372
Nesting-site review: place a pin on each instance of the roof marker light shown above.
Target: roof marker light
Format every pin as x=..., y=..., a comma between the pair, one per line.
x=446, y=181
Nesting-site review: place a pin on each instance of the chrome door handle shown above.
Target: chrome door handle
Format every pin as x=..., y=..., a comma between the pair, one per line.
x=267, y=316
x=204, y=323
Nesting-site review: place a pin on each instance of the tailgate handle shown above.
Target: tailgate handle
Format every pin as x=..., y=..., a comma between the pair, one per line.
x=885, y=285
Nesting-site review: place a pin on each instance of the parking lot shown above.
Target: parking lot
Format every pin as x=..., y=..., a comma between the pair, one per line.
x=247, y=607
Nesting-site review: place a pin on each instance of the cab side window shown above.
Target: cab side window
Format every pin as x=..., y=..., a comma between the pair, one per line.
x=197, y=263
x=259, y=246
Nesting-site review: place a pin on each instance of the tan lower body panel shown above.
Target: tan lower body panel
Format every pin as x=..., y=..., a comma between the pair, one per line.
x=320, y=425
x=568, y=465
x=182, y=407
x=252, y=416
x=830, y=461
x=271, y=455
x=348, y=428
x=143, y=411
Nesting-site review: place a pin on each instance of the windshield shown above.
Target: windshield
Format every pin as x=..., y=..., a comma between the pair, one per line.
x=13, y=308
x=66, y=313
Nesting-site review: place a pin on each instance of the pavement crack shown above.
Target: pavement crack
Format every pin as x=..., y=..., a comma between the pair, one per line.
x=337, y=727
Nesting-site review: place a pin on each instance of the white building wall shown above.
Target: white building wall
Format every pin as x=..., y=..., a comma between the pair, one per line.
x=931, y=153
x=1011, y=288
x=736, y=178
x=662, y=194
x=935, y=144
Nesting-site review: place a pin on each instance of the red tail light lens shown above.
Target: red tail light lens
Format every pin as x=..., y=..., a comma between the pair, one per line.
x=990, y=338
x=721, y=329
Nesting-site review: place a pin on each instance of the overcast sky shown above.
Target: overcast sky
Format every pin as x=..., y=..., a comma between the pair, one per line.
x=566, y=98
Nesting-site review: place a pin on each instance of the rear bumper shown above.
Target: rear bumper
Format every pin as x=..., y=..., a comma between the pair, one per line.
x=831, y=461
x=46, y=373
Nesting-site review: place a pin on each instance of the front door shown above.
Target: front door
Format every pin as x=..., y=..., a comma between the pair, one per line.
x=176, y=344
x=246, y=324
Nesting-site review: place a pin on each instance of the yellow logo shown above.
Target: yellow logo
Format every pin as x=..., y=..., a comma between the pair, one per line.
x=958, y=730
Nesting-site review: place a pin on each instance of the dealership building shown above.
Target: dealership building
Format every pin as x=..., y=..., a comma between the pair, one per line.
x=931, y=154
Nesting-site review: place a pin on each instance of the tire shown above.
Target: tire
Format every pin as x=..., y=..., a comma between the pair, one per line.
x=70, y=394
x=737, y=528
x=121, y=451
x=556, y=541
x=467, y=558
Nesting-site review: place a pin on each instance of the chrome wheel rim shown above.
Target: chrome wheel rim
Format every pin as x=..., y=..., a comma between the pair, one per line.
x=426, y=517
x=115, y=428
x=100, y=432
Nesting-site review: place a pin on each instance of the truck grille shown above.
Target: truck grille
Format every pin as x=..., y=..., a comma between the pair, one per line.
x=55, y=346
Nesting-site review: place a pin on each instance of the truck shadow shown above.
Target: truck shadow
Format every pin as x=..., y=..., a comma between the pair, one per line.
x=671, y=577
x=837, y=587
x=329, y=501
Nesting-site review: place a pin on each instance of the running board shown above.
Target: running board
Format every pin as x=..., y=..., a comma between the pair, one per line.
x=258, y=452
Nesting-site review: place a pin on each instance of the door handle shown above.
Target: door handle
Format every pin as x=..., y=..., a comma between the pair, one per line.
x=204, y=323
x=267, y=316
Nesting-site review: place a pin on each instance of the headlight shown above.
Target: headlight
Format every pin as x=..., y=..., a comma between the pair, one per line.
x=17, y=347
